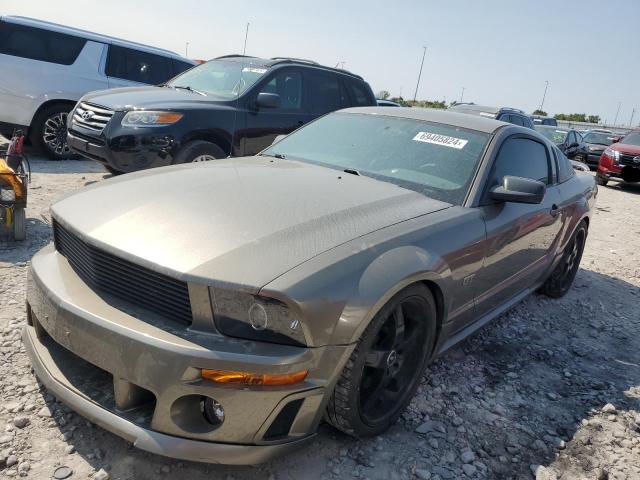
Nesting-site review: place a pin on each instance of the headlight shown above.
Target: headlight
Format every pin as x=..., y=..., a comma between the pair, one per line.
x=7, y=194
x=242, y=315
x=612, y=153
x=148, y=118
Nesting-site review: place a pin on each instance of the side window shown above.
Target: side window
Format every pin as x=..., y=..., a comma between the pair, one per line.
x=326, y=93
x=517, y=120
x=359, y=96
x=571, y=138
x=287, y=84
x=505, y=117
x=137, y=66
x=565, y=170
x=39, y=44
x=521, y=157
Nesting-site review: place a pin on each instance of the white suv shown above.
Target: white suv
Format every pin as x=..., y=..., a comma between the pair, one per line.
x=45, y=68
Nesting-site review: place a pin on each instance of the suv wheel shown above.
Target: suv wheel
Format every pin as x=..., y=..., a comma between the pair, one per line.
x=49, y=132
x=385, y=369
x=199, y=151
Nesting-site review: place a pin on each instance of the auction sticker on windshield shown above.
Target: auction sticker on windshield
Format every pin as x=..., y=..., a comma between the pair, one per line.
x=443, y=140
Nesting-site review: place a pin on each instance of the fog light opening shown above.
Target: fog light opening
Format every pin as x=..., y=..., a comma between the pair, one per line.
x=212, y=411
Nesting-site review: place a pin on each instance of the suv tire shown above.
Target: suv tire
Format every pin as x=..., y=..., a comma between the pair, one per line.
x=199, y=150
x=49, y=132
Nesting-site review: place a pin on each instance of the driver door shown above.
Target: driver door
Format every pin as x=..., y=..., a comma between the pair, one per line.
x=520, y=238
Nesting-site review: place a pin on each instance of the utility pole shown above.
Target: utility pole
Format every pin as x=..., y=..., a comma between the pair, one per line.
x=186, y=50
x=633, y=112
x=420, y=73
x=246, y=35
x=617, y=112
x=544, y=95
x=462, y=94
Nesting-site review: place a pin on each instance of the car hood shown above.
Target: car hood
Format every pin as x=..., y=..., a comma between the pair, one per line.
x=151, y=97
x=240, y=222
x=625, y=148
x=596, y=146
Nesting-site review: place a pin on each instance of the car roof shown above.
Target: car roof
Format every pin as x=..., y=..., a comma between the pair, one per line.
x=96, y=37
x=447, y=117
x=552, y=127
x=270, y=62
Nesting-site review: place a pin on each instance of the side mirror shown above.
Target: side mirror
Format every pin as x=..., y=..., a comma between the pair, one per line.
x=574, y=145
x=268, y=100
x=277, y=139
x=519, y=190
x=615, y=139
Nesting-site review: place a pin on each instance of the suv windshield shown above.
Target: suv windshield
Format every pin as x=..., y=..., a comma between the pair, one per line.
x=599, y=138
x=222, y=78
x=435, y=159
x=552, y=133
x=632, y=138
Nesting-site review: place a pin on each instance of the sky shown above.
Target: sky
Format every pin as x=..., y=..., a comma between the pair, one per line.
x=501, y=51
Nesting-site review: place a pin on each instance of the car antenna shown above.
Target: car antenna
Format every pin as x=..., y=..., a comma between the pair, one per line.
x=235, y=115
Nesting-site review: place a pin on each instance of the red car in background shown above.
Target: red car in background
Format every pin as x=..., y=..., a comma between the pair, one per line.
x=620, y=162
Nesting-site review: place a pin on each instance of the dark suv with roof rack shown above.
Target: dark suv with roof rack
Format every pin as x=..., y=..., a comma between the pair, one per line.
x=230, y=106
x=504, y=114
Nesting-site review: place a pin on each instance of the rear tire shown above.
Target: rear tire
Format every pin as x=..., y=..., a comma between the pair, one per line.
x=49, y=132
x=384, y=371
x=199, y=151
x=19, y=224
x=561, y=279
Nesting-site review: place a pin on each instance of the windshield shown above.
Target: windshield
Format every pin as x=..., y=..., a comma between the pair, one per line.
x=434, y=159
x=599, y=138
x=222, y=78
x=632, y=138
x=554, y=134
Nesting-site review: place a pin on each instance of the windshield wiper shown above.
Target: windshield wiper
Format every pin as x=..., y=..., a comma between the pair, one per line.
x=189, y=89
x=351, y=171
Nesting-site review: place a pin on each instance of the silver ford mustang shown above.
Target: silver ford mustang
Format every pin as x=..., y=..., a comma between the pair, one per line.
x=220, y=311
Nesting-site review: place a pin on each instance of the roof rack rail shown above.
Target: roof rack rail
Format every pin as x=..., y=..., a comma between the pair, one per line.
x=293, y=59
x=233, y=55
x=511, y=109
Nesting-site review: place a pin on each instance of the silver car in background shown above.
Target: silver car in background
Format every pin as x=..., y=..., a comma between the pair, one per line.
x=219, y=311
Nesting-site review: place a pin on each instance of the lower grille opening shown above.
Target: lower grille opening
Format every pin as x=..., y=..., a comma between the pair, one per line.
x=282, y=424
x=98, y=385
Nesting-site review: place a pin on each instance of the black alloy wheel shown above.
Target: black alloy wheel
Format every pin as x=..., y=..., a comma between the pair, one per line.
x=561, y=279
x=385, y=369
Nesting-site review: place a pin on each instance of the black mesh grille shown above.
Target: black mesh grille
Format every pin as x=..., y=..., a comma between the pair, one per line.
x=107, y=273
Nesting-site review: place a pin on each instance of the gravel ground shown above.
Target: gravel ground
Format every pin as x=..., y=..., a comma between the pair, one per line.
x=549, y=390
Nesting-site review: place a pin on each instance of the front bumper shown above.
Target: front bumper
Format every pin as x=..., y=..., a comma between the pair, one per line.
x=142, y=382
x=592, y=159
x=125, y=152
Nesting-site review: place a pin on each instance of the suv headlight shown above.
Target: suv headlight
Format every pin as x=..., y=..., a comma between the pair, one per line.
x=252, y=317
x=612, y=153
x=150, y=118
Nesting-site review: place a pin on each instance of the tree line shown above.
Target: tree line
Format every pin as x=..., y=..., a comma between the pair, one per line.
x=441, y=104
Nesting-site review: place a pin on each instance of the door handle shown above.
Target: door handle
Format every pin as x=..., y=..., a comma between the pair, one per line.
x=555, y=210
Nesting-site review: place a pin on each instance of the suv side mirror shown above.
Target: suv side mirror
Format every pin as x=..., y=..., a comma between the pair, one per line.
x=519, y=190
x=268, y=100
x=574, y=145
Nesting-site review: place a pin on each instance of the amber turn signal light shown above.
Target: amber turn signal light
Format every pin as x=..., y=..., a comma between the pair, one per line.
x=246, y=378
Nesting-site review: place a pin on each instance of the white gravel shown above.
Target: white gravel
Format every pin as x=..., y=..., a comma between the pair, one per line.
x=550, y=390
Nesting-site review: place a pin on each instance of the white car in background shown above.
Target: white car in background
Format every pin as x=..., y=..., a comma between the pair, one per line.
x=45, y=68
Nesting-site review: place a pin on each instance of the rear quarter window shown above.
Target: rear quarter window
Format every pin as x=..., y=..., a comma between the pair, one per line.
x=565, y=170
x=360, y=95
x=137, y=66
x=39, y=44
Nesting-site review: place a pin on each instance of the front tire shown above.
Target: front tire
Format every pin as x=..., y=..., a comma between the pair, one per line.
x=601, y=181
x=561, y=279
x=19, y=224
x=49, y=132
x=384, y=371
x=199, y=151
